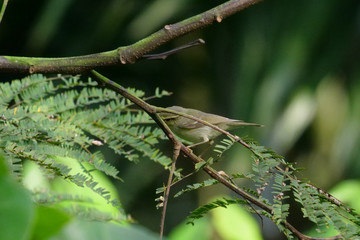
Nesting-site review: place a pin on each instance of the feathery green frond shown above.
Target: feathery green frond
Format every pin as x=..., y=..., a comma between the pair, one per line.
x=225, y=145
x=206, y=183
x=201, y=211
x=46, y=120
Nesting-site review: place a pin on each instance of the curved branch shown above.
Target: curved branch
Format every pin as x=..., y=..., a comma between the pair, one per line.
x=153, y=112
x=126, y=54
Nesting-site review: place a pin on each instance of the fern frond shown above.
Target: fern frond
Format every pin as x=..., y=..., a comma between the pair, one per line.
x=201, y=211
x=45, y=119
x=80, y=206
x=324, y=213
x=14, y=164
x=192, y=187
x=225, y=145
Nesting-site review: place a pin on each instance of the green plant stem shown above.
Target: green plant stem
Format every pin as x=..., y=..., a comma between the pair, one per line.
x=2, y=11
x=126, y=54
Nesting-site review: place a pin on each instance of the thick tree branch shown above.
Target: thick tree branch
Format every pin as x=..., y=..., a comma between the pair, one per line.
x=126, y=54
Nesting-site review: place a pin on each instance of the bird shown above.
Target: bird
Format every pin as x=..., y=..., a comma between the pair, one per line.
x=196, y=132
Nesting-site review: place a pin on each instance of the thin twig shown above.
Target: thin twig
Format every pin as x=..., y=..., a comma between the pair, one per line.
x=164, y=55
x=168, y=186
x=184, y=177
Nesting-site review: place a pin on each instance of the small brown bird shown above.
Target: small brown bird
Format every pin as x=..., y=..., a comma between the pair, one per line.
x=196, y=132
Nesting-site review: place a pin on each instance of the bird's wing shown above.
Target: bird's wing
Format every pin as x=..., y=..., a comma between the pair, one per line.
x=211, y=118
x=215, y=119
x=187, y=123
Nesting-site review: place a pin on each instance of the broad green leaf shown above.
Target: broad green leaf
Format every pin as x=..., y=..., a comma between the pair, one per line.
x=16, y=209
x=98, y=202
x=202, y=230
x=235, y=223
x=49, y=221
x=349, y=192
x=83, y=230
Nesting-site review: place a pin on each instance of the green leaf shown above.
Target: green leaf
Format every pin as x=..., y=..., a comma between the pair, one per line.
x=4, y=171
x=349, y=192
x=202, y=230
x=16, y=209
x=202, y=210
x=84, y=230
x=206, y=183
x=200, y=165
x=60, y=124
x=49, y=221
x=235, y=223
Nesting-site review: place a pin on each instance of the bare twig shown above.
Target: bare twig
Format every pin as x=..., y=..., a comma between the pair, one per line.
x=168, y=186
x=186, y=176
x=164, y=55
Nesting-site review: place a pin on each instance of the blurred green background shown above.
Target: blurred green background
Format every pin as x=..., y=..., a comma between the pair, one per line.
x=293, y=66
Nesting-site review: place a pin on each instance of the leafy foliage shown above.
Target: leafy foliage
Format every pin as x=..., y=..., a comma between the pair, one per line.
x=224, y=202
x=272, y=176
x=273, y=172
x=324, y=213
x=206, y=183
x=225, y=145
x=43, y=119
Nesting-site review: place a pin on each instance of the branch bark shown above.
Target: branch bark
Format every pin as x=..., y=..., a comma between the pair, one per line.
x=126, y=54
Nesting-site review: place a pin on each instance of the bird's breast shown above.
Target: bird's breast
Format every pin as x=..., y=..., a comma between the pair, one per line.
x=197, y=134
